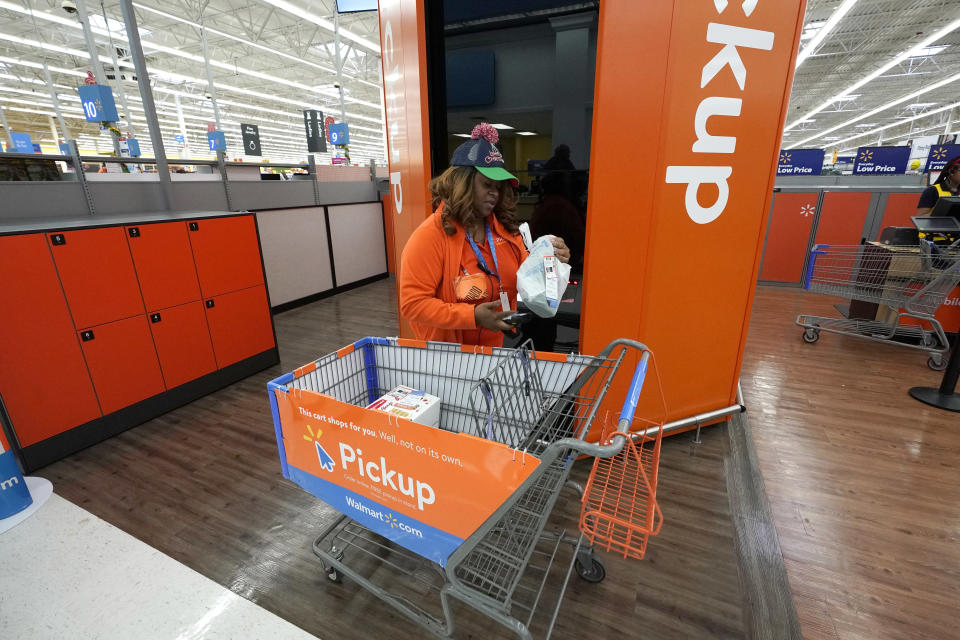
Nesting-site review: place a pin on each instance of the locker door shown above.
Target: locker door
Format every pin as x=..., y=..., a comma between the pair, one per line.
x=900, y=206
x=123, y=362
x=97, y=275
x=43, y=378
x=786, y=248
x=240, y=324
x=164, y=263
x=842, y=217
x=183, y=343
x=227, y=254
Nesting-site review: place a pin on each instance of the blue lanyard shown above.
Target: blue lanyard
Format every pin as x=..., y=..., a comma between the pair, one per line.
x=481, y=262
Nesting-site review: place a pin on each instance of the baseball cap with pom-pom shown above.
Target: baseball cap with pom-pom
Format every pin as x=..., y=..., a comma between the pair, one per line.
x=481, y=153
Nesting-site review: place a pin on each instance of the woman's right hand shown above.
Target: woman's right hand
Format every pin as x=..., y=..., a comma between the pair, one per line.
x=487, y=316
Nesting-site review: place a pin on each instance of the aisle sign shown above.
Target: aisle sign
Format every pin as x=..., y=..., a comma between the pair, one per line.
x=134, y=146
x=21, y=143
x=800, y=162
x=179, y=139
x=881, y=161
x=314, y=126
x=940, y=155
x=217, y=140
x=64, y=149
x=97, y=103
x=251, y=139
x=339, y=133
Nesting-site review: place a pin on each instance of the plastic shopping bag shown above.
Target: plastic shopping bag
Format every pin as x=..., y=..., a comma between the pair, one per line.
x=542, y=278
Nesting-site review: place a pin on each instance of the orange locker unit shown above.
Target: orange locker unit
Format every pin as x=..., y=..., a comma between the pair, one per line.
x=115, y=325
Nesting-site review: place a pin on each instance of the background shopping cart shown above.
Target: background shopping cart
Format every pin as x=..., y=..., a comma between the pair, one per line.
x=908, y=285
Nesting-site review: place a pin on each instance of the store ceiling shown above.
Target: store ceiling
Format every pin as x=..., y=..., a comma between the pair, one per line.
x=271, y=59
x=274, y=58
x=874, y=35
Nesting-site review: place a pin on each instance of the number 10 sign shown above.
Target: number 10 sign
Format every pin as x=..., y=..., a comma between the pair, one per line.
x=97, y=102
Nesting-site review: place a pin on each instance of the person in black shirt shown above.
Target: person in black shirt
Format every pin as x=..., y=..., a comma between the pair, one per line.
x=948, y=184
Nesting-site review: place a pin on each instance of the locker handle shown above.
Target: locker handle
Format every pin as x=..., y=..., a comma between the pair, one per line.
x=58, y=239
x=87, y=335
x=155, y=317
x=134, y=232
x=210, y=303
x=194, y=226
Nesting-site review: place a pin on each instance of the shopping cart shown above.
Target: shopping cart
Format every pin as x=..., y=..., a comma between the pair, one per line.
x=907, y=285
x=531, y=412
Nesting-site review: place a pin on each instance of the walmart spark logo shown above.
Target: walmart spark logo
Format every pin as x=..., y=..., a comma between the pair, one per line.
x=807, y=210
x=325, y=459
x=939, y=154
x=392, y=521
x=785, y=157
x=866, y=155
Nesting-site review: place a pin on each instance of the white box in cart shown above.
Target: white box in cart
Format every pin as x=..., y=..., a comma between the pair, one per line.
x=410, y=404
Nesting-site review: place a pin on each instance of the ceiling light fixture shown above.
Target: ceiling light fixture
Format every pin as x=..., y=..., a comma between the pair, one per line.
x=823, y=31
x=299, y=12
x=926, y=42
x=73, y=24
x=526, y=133
x=901, y=122
x=929, y=51
x=873, y=112
x=249, y=43
x=501, y=126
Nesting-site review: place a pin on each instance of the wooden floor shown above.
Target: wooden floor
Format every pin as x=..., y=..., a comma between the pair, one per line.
x=203, y=485
x=864, y=481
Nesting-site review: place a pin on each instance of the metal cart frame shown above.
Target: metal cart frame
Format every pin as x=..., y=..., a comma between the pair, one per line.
x=542, y=405
x=912, y=285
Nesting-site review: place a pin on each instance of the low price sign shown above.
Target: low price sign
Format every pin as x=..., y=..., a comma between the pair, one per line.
x=940, y=155
x=800, y=162
x=881, y=161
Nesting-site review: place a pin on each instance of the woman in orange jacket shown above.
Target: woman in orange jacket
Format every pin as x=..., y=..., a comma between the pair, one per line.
x=458, y=271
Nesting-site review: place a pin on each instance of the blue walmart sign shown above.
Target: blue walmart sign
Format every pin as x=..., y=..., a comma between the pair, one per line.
x=800, y=162
x=339, y=133
x=940, y=155
x=881, y=161
x=217, y=140
x=97, y=102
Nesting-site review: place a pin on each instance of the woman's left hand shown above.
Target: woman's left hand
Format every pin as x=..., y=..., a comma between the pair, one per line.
x=561, y=250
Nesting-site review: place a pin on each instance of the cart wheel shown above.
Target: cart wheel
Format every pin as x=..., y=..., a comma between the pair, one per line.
x=811, y=335
x=937, y=363
x=595, y=573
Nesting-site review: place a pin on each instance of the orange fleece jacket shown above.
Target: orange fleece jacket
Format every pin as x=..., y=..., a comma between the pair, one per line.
x=428, y=266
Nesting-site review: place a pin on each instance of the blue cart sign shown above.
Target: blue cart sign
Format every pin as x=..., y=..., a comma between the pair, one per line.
x=217, y=140
x=881, y=161
x=800, y=162
x=97, y=102
x=940, y=155
x=21, y=143
x=339, y=133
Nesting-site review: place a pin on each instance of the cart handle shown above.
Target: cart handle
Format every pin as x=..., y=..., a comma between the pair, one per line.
x=816, y=251
x=629, y=405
